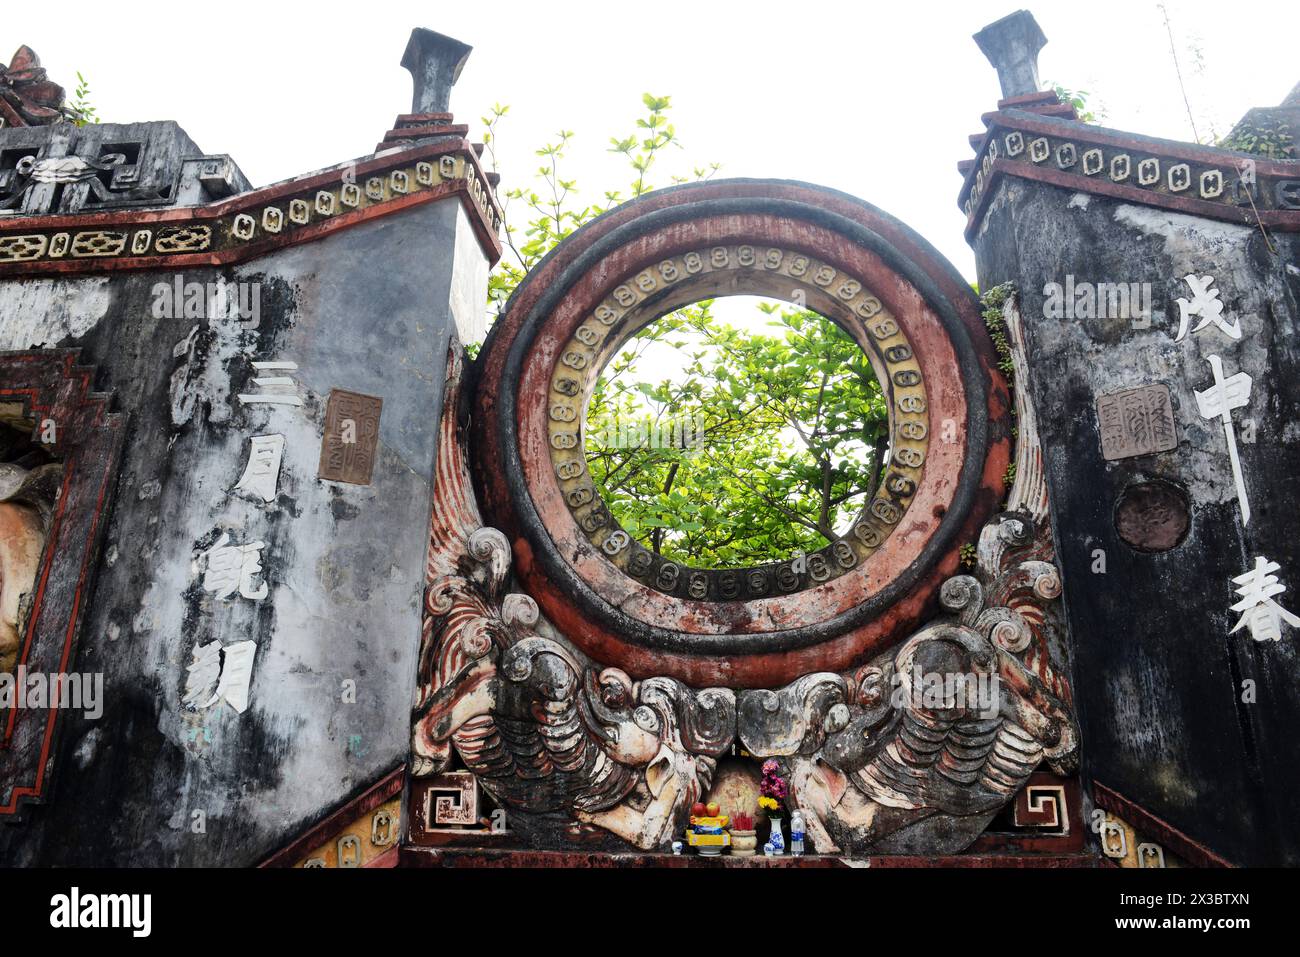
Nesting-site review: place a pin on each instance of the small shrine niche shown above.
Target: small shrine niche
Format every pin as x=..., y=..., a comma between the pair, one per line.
x=29, y=481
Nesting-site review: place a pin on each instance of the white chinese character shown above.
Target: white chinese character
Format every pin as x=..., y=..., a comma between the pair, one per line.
x=229, y=668
x=263, y=469
x=232, y=568
x=1259, y=612
x=1204, y=303
x=1217, y=402
x=280, y=389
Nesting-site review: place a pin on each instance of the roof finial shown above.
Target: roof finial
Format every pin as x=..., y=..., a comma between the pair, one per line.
x=435, y=62
x=1012, y=46
x=27, y=97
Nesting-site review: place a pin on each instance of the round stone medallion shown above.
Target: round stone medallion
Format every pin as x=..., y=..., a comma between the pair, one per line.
x=1153, y=516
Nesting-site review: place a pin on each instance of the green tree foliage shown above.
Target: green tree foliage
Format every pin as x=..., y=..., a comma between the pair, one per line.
x=763, y=444
x=554, y=204
x=763, y=440
x=80, y=110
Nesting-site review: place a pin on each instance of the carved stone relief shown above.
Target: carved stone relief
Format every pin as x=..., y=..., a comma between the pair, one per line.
x=874, y=764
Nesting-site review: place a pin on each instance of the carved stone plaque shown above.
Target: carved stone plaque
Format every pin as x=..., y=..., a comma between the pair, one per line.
x=1136, y=422
x=347, y=452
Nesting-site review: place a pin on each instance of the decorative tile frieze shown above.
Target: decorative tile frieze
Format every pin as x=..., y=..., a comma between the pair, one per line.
x=98, y=242
x=1101, y=159
x=251, y=222
x=22, y=248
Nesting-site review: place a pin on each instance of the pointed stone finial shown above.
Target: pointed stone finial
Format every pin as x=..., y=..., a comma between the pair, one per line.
x=435, y=62
x=1012, y=46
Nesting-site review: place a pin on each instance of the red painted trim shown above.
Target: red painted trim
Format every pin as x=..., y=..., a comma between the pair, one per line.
x=47, y=740
x=1101, y=136
x=1278, y=219
x=1027, y=844
x=390, y=858
x=423, y=119
x=419, y=132
x=381, y=792
x=1145, y=822
x=1061, y=110
x=1085, y=137
x=89, y=447
x=1025, y=100
x=210, y=214
x=445, y=857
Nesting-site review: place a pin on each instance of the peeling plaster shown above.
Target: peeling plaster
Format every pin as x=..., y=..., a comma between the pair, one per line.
x=42, y=313
x=1191, y=242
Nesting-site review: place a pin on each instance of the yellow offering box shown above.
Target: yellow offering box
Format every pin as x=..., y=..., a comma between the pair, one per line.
x=712, y=841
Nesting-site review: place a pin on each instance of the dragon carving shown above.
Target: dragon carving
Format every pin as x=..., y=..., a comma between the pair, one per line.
x=541, y=729
x=886, y=759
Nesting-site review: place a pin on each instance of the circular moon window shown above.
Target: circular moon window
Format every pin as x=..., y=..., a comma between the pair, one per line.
x=736, y=432
x=868, y=302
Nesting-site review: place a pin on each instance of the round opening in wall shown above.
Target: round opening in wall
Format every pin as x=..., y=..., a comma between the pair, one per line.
x=737, y=432
x=1153, y=516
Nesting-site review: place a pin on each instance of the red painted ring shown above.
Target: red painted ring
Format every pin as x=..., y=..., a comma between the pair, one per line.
x=762, y=641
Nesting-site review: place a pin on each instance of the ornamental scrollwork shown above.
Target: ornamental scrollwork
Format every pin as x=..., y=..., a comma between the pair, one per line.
x=542, y=729
x=896, y=759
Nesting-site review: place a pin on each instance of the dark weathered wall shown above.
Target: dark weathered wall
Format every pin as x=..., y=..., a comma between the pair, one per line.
x=1158, y=678
x=370, y=309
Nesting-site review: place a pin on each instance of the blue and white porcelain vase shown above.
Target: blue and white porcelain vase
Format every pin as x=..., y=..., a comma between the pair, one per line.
x=777, y=838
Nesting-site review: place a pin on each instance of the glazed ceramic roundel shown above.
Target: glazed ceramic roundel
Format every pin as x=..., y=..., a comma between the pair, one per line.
x=913, y=316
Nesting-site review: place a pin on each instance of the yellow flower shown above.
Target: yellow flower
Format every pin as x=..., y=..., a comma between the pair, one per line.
x=767, y=802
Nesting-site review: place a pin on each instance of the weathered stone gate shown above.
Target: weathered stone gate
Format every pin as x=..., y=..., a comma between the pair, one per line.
x=251, y=479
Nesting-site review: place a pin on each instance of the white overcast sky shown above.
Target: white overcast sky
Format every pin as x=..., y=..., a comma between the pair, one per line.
x=874, y=99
